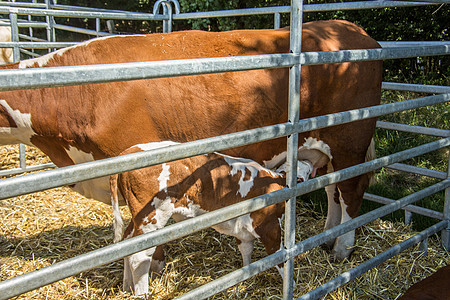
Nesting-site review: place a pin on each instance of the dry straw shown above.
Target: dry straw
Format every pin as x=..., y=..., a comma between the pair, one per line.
x=40, y=229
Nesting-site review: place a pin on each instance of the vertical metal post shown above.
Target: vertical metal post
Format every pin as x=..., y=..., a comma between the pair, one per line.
x=30, y=29
x=15, y=36
x=292, y=145
x=51, y=36
x=423, y=247
x=167, y=11
x=445, y=234
x=97, y=25
x=276, y=20
x=22, y=158
x=408, y=217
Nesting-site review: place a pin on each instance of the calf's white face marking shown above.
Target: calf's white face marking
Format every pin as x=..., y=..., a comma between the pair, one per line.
x=20, y=134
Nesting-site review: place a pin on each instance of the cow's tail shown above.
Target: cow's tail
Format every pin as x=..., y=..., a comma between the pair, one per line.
x=371, y=155
x=118, y=221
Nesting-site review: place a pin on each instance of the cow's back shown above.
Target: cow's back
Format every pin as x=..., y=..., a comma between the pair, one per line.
x=114, y=116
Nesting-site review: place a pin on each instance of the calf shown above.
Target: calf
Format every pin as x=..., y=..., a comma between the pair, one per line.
x=434, y=287
x=190, y=187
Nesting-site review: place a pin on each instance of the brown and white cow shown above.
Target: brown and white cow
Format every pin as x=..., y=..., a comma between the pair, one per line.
x=6, y=54
x=193, y=186
x=82, y=123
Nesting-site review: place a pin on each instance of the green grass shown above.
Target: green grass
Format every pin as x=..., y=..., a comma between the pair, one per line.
x=396, y=184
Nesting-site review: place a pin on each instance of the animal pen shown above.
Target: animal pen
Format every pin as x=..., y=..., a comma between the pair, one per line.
x=24, y=15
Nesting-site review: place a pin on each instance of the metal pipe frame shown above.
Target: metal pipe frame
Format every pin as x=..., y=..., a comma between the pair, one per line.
x=418, y=171
x=76, y=75
x=414, y=129
x=12, y=187
x=291, y=128
x=420, y=88
x=410, y=208
x=373, y=262
x=76, y=12
x=292, y=144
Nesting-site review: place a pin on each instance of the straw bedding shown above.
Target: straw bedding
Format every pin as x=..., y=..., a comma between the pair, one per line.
x=40, y=229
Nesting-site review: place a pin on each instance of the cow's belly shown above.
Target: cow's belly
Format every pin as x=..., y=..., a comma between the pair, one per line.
x=97, y=189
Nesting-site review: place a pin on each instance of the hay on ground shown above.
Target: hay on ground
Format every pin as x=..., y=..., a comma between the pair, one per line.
x=40, y=229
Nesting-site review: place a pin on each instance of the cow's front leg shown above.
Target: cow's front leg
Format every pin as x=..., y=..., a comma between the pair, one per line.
x=350, y=197
x=139, y=265
x=334, y=211
x=246, y=249
x=127, y=275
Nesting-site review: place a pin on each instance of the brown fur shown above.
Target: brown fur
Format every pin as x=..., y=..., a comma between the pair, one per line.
x=434, y=287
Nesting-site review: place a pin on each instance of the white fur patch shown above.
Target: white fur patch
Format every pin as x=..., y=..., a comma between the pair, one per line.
x=242, y=164
x=275, y=161
x=97, y=189
x=314, y=144
x=20, y=134
x=78, y=156
x=304, y=169
x=155, y=145
x=240, y=227
x=164, y=177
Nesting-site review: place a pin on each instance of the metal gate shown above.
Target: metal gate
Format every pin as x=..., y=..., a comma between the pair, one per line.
x=36, y=78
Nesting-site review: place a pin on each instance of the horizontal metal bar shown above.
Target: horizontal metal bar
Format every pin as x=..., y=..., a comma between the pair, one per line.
x=12, y=187
x=270, y=261
x=421, y=88
x=31, y=38
x=373, y=262
x=429, y=1
x=82, y=14
x=413, y=129
x=16, y=171
x=69, y=267
x=410, y=208
x=23, y=4
x=32, y=54
x=83, y=8
x=418, y=171
x=340, y=229
x=370, y=112
x=356, y=5
x=81, y=30
x=35, y=45
x=74, y=75
x=393, y=44
x=306, y=8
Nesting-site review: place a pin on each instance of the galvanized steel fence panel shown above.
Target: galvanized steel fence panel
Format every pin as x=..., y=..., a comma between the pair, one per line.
x=61, y=76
